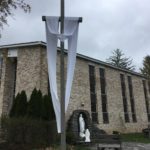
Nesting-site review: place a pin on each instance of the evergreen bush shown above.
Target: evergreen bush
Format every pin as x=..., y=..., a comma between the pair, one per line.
x=47, y=109
x=14, y=106
x=31, y=124
x=19, y=106
x=35, y=105
x=38, y=107
x=27, y=134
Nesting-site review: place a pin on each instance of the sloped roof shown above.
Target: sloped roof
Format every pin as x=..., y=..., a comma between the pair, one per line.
x=41, y=43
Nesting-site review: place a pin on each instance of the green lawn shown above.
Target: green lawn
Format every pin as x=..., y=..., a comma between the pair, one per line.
x=134, y=137
x=69, y=147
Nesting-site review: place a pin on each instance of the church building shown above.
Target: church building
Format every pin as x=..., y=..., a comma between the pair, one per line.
x=116, y=99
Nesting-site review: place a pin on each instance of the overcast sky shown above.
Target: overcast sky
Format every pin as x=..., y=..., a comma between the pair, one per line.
x=107, y=25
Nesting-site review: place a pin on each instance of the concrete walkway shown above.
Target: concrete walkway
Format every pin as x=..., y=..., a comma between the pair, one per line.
x=135, y=146
x=130, y=146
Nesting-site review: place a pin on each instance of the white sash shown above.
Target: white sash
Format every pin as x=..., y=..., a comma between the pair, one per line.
x=52, y=35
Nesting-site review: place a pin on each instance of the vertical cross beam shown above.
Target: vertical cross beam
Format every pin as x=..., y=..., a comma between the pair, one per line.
x=62, y=90
x=62, y=82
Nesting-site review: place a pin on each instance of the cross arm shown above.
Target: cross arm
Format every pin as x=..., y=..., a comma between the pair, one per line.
x=44, y=19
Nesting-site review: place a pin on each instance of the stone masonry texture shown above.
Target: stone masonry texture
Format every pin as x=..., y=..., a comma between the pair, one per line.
x=32, y=71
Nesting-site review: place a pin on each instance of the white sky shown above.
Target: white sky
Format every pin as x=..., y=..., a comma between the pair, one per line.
x=107, y=25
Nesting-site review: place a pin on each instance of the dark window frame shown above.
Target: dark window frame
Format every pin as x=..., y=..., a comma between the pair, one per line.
x=1, y=66
x=132, y=102
x=93, y=95
x=15, y=75
x=149, y=86
x=104, y=96
x=124, y=98
x=146, y=100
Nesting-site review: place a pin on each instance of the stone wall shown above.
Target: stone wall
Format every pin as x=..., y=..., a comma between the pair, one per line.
x=32, y=72
x=80, y=89
x=81, y=94
x=115, y=103
x=7, y=84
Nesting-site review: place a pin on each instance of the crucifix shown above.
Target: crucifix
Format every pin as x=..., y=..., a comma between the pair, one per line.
x=62, y=87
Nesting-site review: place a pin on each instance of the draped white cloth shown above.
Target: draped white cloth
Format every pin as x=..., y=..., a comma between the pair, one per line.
x=52, y=34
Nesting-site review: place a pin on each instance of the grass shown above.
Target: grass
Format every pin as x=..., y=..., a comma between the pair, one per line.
x=134, y=137
x=69, y=147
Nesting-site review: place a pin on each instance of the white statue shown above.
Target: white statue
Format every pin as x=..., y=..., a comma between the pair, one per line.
x=81, y=126
x=87, y=135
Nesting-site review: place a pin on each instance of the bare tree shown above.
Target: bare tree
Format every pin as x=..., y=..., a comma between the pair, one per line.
x=118, y=59
x=6, y=8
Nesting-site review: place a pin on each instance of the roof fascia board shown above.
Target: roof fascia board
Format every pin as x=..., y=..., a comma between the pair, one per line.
x=106, y=64
x=78, y=55
x=22, y=45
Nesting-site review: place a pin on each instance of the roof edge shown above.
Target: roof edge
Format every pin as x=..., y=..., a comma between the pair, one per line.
x=23, y=44
x=78, y=55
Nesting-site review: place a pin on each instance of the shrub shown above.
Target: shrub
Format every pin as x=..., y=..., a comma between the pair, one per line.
x=116, y=132
x=14, y=106
x=70, y=138
x=47, y=109
x=38, y=107
x=35, y=104
x=19, y=107
x=26, y=134
x=31, y=124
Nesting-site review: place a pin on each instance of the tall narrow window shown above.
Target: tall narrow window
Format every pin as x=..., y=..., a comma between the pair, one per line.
x=93, y=94
x=149, y=86
x=124, y=97
x=132, y=99
x=15, y=72
x=12, y=65
x=103, y=95
x=146, y=100
x=1, y=62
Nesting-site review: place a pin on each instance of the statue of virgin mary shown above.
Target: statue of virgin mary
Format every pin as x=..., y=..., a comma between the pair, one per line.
x=81, y=126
